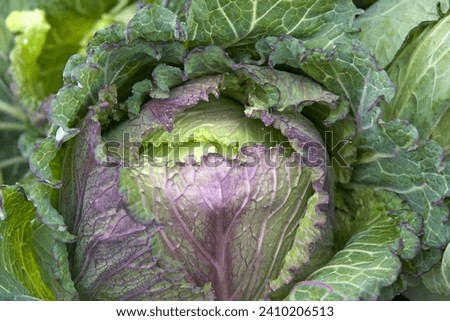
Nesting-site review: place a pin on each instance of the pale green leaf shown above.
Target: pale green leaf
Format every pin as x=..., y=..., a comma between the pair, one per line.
x=421, y=74
x=385, y=25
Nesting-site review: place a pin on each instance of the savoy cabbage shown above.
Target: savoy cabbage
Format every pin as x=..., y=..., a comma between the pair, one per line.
x=216, y=150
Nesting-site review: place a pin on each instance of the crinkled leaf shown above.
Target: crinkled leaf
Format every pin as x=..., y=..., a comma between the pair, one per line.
x=228, y=24
x=41, y=159
x=141, y=91
x=166, y=77
x=160, y=111
x=260, y=87
x=155, y=23
x=395, y=160
x=345, y=69
x=430, y=280
x=104, y=66
x=122, y=64
x=369, y=261
x=42, y=197
x=424, y=261
x=282, y=90
x=211, y=60
x=348, y=71
x=419, y=70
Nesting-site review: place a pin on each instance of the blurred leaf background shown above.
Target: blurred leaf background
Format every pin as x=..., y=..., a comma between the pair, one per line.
x=12, y=118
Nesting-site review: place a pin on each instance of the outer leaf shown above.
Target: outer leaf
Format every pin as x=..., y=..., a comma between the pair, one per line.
x=42, y=198
x=313, y=247
x=433, y=281
x=41, y=159
x=395, y=160
x=11, y=289
x=45, y=38
x=423, y=262
x=141, y=90
x=258, y=87
x=385, y=25
x=368, y=263
x=32, y=262
x=423, y=99
x=228, y=24
x=421, y=73
x=438, y=279
x=347, y=70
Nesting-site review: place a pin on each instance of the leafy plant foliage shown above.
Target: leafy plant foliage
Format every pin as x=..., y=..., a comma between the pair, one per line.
x=236, y=151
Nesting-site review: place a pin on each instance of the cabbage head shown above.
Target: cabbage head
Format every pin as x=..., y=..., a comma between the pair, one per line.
x=225, y=151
